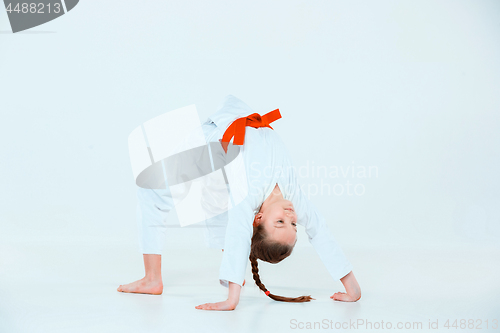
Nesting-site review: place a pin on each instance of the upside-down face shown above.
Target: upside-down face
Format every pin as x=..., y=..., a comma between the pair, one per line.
x=280, y=221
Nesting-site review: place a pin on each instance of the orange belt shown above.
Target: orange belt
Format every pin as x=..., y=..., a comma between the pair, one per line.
x=237, y=128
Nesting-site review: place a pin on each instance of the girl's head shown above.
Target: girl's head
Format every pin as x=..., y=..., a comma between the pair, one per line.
x=279, y=221
x=274, y=236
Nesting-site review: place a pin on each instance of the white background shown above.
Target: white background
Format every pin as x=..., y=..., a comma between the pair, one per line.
x=410, y=87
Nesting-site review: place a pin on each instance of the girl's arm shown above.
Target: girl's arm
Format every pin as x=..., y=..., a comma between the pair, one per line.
x=237, y=246
x=353, y=292
x=230, y=304
x=325, y=245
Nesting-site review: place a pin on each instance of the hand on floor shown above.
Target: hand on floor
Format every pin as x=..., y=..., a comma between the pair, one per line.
x=344, y=297
x=221, y=306
x=351, y=285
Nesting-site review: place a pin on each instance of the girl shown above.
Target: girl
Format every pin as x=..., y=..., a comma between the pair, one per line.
x=271, y=198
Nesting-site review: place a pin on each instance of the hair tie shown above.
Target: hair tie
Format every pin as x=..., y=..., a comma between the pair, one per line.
x=268, y=292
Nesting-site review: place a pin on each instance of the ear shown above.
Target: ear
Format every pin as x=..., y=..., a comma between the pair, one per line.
x=257, y=220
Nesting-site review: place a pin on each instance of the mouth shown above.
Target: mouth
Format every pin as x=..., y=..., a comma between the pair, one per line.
x=290, y=209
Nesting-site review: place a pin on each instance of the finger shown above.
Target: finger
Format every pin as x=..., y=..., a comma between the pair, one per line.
x=341, y=297
x=202, y=306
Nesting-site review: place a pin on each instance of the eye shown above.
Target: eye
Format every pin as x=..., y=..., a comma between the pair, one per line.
x=294, y=224
x=280, y=221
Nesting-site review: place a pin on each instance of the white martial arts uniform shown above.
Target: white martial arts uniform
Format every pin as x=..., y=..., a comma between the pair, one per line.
x=266, y=163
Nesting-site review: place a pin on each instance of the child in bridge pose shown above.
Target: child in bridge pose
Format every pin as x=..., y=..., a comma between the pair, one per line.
x=261, y=226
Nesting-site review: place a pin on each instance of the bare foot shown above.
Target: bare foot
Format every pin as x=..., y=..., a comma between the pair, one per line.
x=143, y=286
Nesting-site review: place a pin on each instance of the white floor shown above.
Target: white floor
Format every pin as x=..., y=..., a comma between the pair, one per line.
x=71, y=287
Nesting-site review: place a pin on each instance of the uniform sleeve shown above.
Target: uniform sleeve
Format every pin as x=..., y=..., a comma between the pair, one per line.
x=315, y=225
x=237, y=244
x=320, y=236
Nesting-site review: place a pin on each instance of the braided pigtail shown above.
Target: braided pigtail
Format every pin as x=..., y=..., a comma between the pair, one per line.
x=271, y=252
x=256, y=277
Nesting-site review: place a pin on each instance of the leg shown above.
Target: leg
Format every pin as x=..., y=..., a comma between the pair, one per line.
x=152, y=209
x=152, y=282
